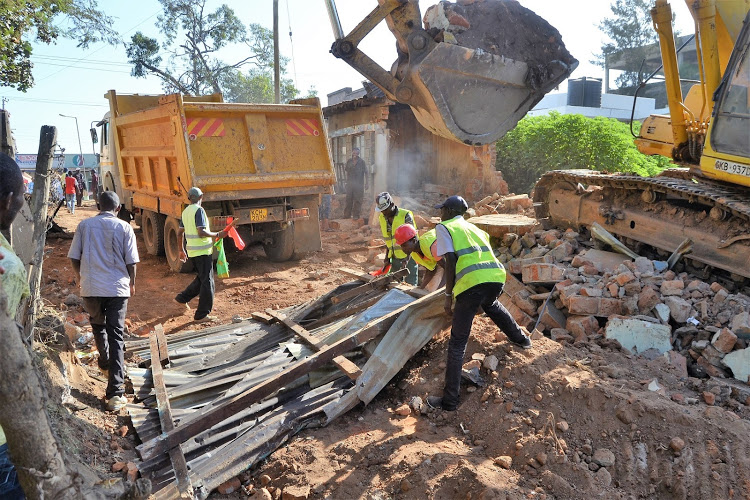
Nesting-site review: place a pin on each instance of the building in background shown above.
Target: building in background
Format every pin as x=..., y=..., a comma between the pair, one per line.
x=401, y=155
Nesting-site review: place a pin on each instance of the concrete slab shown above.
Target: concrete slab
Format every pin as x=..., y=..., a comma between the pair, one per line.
x=604, y=261
x=639, y=335
x=739, y=362
x=499, y=225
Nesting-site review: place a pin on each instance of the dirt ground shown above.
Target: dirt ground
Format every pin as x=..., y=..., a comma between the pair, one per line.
x=559, y=421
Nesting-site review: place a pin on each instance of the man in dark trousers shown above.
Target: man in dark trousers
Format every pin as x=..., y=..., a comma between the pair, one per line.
x=95, y=187
x=80, y=188
x=104, y=255
x=355, y=185
x=474, y=278
x=199, y=248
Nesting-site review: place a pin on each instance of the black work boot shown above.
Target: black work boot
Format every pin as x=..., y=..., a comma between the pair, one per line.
x=436, y=403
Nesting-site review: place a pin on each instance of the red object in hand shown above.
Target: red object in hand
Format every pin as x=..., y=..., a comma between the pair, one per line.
x=232, y=233
x=381, y=272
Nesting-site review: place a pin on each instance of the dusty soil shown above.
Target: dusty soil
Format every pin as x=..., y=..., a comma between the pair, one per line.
x=576, y=421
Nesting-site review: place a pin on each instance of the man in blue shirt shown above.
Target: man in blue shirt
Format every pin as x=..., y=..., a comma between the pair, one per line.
x=104, y=256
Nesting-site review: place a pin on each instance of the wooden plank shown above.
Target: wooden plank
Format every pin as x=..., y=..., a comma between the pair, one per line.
x=409, y=289
x=262, y=317
x=350, y=369
x=356, y=274
x=379, y=281
x=165, y=416
x=161, y=341
x=372, y=329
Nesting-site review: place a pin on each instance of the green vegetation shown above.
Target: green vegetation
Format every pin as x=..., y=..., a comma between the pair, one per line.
x=560, y=142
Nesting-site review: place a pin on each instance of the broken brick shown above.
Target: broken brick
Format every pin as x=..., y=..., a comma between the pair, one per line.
x=582, y=326
x=230, y=486
x=647, y=299
x=724, y=340
x=672, y=287
x=542, y=273
x=624, y=278
x=553, y=318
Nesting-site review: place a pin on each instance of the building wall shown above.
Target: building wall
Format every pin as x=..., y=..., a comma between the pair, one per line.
x=403, y=156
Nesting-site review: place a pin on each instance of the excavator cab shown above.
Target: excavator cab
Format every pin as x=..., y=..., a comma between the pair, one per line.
x=466, y=94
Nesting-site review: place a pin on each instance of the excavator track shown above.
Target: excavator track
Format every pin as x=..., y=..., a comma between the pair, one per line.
x=658, y=211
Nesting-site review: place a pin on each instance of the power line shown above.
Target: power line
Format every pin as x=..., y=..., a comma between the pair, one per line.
x=44, y=63
x=97, y=50
x=60, y=58
x=56, y=101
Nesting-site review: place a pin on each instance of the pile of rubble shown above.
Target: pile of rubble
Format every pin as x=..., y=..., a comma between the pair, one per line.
x=502, y=204
x=586, y=294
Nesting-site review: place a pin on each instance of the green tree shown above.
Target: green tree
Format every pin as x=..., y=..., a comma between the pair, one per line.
x=560, y=142
x=630, y=31
x=187, y=57
x=23, y=22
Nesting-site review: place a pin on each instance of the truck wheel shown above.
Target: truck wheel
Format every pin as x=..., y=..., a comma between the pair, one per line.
x=281, y=247
x=153, y=232
x=172, y=247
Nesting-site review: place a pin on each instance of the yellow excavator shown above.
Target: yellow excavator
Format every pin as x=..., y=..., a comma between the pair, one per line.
x=706, y=203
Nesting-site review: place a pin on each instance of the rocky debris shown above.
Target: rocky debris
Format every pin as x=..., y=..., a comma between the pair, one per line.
x=700, y=327
x=229, y=486
x=500, y=27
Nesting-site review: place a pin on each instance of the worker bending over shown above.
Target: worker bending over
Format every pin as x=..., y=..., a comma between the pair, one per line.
x=423, y=250
x=474, y=278
x=391, y=217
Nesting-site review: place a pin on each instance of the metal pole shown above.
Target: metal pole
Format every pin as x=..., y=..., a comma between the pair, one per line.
x=333, y=15
x=276, y=72
x=80, y=148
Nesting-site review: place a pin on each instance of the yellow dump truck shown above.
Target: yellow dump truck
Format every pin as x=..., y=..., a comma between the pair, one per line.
x=265, y=165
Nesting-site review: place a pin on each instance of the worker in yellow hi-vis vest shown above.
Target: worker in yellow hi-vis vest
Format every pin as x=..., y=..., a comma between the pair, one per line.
x=390, y=218
x=474, y=278
x=198, y=246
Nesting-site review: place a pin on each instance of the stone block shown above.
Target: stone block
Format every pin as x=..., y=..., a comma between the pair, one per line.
x=512, y=285
x=581, y=326
x=644, y=265
x=562, y=251
x=590, y=291
x=724, y=340
x=604, y=261
x=662, y=312
x=552, y=317
x=680, y=308
x=678, y=361
x=519, y=200
x=647, y=299
x=639, y=335
x=624, y=278
x=739, y=362
x=521, y=317
x=711, y=370
x=560, y=335
x=672, y=287
x=741, y=325
x=522, y=300
x=630, y=306
x=542, y=273
x=580, y=261
x=296, y=492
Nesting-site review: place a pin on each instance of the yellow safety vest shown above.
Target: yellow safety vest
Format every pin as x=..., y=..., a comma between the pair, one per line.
x=476, y=263
x=196, y=245
x=425, y=243
x=390, y=242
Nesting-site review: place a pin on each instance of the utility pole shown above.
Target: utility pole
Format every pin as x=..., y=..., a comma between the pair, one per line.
x=80, y=148
x=276, y=72
x=5, y=99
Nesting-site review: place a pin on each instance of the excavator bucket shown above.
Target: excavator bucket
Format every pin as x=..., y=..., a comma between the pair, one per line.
x=493, y=62
x=476, y=97
x=471, y=72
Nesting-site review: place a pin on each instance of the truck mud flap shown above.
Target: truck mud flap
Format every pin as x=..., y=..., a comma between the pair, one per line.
x=307, y=231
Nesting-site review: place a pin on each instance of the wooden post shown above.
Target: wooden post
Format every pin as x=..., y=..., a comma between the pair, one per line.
x=39, y=200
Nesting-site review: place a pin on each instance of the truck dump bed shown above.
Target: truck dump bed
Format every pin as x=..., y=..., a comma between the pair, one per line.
x=167, y=144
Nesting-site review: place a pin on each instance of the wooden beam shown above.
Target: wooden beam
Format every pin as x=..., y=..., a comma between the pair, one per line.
x=161, y=341
x=372, y=329
x=356, y=274
x=377, y=282
x=262, y=317
x=179, y=464
x=350, y=369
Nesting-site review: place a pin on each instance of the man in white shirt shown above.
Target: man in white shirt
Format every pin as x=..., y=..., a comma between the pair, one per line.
x=104, y=255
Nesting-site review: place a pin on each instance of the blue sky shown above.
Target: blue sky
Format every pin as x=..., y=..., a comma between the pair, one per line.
x=73, y=81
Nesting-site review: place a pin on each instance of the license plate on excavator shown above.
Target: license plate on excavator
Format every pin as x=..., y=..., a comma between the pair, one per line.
x=258, y=214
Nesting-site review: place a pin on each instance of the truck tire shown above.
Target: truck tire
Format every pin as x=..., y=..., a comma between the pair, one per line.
x=172, y=247
x=281, y=247
x=153, y=232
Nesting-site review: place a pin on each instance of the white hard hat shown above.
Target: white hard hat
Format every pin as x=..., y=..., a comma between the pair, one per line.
x=383, y=201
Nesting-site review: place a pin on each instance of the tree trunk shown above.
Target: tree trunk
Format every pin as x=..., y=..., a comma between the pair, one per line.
x=24, y=419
